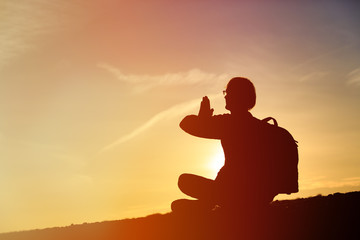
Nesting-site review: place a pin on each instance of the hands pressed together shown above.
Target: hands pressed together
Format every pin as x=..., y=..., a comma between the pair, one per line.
x=205, y=110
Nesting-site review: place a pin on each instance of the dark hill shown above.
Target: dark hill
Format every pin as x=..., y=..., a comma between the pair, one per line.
x=336, y=216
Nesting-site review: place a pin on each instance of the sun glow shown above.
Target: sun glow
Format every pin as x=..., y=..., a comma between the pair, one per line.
x=216, y=161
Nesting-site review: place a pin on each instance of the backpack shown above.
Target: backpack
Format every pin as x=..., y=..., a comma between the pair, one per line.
x=280, y=155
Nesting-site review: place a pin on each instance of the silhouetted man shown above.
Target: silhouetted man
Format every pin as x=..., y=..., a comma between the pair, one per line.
x=240, y=182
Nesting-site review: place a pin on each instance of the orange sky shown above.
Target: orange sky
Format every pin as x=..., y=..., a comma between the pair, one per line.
x=92, y=94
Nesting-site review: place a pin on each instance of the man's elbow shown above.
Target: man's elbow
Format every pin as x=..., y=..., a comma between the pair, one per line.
x=187, y=123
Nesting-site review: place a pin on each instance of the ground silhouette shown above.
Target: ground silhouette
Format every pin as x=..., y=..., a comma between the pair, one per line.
x=336, y=216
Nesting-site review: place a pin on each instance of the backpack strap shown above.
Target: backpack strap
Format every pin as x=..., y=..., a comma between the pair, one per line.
x=270, y=118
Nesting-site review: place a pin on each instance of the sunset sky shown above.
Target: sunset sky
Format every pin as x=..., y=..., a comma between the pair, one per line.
x=92, y=92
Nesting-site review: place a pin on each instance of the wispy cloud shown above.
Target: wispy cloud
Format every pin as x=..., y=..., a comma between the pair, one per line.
x=313, y=76
x=179, y=109
x=144, y=82
x=322, y=182
x=354, y=77
x=317, y=58
x=23, y=21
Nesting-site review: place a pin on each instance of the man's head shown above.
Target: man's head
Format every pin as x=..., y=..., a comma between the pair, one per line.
x=240, y=95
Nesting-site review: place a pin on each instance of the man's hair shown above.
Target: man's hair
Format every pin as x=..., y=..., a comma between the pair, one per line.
x=244, y=89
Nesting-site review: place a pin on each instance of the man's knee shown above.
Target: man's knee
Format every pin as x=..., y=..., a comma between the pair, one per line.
x=183, y=181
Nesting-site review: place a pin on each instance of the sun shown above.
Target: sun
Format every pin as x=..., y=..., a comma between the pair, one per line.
x=216, y=161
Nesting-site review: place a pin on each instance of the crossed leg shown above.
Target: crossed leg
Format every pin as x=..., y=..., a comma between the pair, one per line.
x=196, y=186
x=203, y=189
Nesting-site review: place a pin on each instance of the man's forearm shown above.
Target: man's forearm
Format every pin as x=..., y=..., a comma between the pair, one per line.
x=189, y=123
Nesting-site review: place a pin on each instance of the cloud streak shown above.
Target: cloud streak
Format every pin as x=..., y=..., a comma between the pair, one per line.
x=321, y=182
x=23, y=21
x=177, y=110
x=145, y=82
x=313, y=76
x=327, y=54
x=354, y=77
